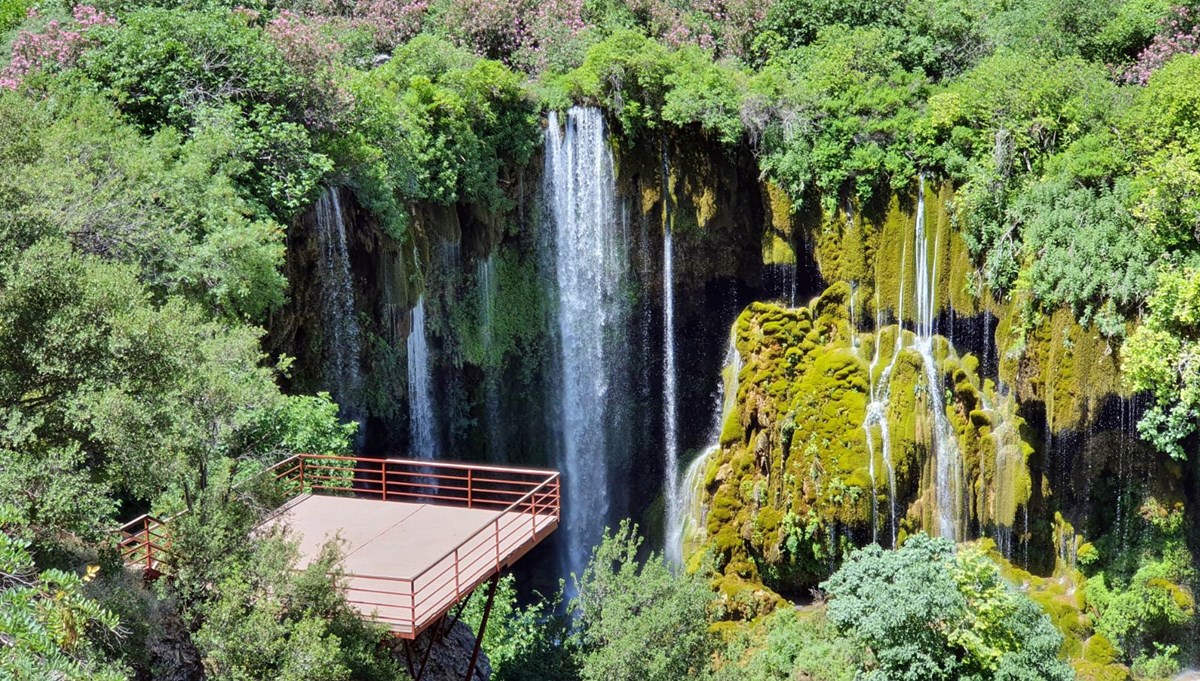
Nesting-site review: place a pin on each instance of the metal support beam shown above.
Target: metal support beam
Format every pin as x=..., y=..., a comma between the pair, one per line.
x=487, y=611
x=440, y=629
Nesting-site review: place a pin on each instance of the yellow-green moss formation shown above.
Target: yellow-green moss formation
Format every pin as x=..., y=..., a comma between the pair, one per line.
x=790, y=486
x=874, y=247
x=1050, y=359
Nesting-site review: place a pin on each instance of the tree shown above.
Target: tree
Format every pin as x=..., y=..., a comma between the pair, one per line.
x=926, y=612
x=165, y=205
x=1161, y=356
x=196, y=70
x=637, y=620
x=788, y=645
x=1164, y=128
x=529, y=643
x=48, y=627
x=260, y=617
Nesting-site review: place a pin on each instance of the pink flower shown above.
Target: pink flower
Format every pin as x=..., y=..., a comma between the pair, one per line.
x=56, y=46
x=1178, y=34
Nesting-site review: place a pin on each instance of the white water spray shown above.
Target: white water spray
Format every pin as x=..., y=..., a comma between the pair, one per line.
x=690, y=507
x=880, y=398
x=486, y=285
x=342, y=338
x=670, y=417
x=589, y=268
x=422, y=424
x=948, y=475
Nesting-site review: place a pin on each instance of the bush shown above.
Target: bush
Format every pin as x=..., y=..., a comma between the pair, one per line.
x=789, y=646
x=214, y=70
x=1083, y=247
x=48, y=627
x=637, y=620
x=257, y=616
x=447, y=124
x=927, y=612
x=528, y=643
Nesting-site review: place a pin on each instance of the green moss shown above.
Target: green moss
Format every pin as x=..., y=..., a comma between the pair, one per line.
x=732, y=430
x=1100, y=650
x=1091, y=671
x=794, y=470
x=1068, y=368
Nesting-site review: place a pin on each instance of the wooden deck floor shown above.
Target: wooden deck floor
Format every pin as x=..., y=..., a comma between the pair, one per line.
x=400, y=557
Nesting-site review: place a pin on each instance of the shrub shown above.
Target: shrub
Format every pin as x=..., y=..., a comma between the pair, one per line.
x=57, y=45
x=927, y=612
x=637, y=620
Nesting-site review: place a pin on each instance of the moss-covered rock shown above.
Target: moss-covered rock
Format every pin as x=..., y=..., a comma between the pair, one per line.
x=801, y=474
x=874, y=246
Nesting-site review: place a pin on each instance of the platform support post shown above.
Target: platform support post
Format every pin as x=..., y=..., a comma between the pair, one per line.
x=487, y=610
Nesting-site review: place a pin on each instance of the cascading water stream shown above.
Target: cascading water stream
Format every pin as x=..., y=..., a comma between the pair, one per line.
x=342, y=337
x=880, y=397
x=674, y=517
x=670, y=417
x=485, y=281
x=590, y=269
x=690, y=507
x=422, y=426
x=947, y=457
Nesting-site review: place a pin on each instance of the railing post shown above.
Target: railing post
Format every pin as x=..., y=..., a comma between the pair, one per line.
x=149, y=543
x=301, y=474
x=470, y=484
x=457, y=585
x=384, y=464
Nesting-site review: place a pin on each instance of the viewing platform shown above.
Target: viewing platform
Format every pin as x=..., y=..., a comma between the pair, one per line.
x=417, y=536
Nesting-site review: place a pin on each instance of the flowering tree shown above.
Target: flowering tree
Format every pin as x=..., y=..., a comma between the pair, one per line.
x=389, y=22
x=392, y=21
x=1179, y=33
x=525, y=33
x=313, y=54
x=57, y=45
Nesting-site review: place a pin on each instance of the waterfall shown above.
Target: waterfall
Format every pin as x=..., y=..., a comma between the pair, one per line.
x=948, y=459
x=880, y=397
x=342, y=346
x=589, y=270
x=670, y=390
x=422, y=426
x=689, y=506
x=670, y=422
x=485, y=281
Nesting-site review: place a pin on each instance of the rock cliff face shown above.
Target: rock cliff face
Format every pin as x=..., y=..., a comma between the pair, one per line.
x=384, y=285
x=449, y=656
x=881, y=388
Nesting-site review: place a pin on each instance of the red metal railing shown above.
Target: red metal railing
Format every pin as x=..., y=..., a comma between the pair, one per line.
x=144, y=542
x=526, y=501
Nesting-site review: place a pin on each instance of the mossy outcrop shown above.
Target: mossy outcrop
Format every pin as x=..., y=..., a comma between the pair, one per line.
x=872, y=246
x=798, y=478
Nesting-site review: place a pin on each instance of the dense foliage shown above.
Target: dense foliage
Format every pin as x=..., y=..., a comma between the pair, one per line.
x=158, y=152
x=637, y=620
x=926, y=611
